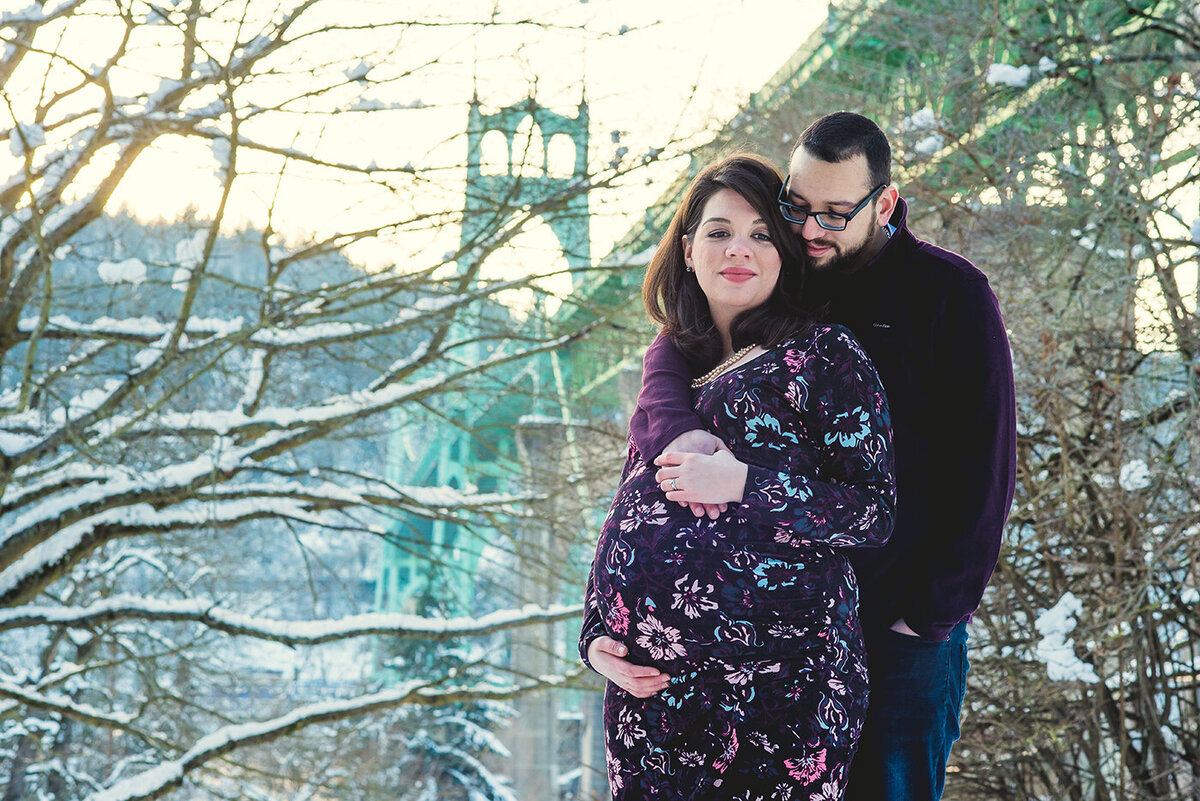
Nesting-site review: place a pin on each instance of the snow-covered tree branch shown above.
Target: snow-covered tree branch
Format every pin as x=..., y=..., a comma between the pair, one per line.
x=288, y=632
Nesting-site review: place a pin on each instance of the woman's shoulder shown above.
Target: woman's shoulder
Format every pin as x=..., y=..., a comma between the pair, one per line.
x=822, y=348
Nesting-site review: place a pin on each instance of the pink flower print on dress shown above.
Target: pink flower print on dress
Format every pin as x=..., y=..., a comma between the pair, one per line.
x=797, y=360
x=762, y=741
x=614, y=773
x=746, y=671
x=617, y=615
x=731, y=747
x=830, y=791
x=806, y=769
x=661, y=641
x=740, y=675
x=786, y=631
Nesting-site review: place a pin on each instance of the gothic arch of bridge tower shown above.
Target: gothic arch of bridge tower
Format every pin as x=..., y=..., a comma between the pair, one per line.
x=535, y=172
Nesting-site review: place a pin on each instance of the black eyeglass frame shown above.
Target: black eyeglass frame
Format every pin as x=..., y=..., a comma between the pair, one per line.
x=787, y=209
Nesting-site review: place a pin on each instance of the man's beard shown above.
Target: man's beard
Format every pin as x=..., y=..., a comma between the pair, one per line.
x=839, y=263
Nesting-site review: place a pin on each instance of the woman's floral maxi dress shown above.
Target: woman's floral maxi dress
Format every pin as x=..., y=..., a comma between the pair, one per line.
x=754, y=615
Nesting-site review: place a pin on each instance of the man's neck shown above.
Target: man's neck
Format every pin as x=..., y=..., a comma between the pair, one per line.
x=877, y=244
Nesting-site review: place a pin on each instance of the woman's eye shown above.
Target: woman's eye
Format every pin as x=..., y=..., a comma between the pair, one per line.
x=718, y=234
x=764, y=236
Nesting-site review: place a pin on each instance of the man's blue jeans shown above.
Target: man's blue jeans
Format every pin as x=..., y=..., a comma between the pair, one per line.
x=916, y=694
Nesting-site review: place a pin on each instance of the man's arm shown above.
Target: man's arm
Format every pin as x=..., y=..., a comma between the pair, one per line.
x=664, y=406
x=664, y=419
x=978, y=451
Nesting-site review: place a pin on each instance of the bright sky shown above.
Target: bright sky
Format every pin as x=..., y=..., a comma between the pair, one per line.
x=680, y=65
x=653, y=72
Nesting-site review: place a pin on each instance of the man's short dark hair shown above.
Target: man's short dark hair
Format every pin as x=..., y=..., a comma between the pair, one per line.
x=843, y=135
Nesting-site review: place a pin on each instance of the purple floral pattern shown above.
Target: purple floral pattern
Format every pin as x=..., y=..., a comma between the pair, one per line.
x=754, y=615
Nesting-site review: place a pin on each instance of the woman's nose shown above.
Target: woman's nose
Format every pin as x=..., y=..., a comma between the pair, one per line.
x=738, y=246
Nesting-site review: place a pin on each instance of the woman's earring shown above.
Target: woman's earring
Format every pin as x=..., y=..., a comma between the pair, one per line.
x=687, y=269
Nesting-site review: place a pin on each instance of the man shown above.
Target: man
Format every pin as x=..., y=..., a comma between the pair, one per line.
x=931, y=325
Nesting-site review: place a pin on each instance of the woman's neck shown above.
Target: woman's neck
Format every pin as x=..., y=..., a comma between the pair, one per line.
x=724, y=326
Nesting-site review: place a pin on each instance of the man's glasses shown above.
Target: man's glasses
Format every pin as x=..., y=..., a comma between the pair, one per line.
x=829, y=220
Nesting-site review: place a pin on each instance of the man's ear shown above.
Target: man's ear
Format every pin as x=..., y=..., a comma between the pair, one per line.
x=886, y=205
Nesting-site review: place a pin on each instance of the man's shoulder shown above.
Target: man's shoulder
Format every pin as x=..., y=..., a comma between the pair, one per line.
x=941, y=264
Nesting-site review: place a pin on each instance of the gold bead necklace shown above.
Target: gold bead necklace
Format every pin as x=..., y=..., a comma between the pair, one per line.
x=722, y=367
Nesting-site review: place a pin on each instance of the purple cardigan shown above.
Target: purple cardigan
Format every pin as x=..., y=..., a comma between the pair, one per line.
x=932, y=326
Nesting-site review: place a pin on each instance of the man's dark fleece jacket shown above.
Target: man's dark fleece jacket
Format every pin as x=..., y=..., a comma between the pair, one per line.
x=931, y=324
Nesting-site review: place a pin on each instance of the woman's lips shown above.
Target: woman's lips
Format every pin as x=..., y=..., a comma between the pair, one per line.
x=737, y=275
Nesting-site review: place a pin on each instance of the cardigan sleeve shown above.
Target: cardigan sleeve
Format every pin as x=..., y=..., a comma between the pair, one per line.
x=664, y=405
x=980, y=441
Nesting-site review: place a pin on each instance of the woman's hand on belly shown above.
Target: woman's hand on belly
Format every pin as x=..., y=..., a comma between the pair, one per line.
x=607, y=657
x=717, y=478
x=699, y=441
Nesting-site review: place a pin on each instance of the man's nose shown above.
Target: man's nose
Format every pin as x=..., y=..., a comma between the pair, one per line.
x=809, y=228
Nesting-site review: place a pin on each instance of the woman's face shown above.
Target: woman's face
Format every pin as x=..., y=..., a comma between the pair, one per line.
x=733, y=256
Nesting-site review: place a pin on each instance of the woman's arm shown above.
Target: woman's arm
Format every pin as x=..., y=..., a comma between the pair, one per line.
x=597, y=648
x=837, y=398
x=837, y=393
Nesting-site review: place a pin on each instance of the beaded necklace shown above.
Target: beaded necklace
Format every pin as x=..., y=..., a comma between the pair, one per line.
x=722, y=367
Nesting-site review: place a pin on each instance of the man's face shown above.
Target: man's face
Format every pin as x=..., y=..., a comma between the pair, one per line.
x=817, y=185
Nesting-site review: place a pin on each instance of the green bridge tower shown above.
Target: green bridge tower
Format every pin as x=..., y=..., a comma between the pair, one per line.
x=542, y=173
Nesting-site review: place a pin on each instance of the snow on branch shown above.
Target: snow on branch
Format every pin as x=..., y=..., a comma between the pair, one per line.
x=81, y=712
x=148, y=329
x=44, y=547
x=47, y=557
x=288, y=632
x=309, y=421
x=163, y=778
x=38, y=546
x=125, y=489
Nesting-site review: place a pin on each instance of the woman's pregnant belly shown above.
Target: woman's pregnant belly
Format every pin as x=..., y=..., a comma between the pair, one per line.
x=678, y=589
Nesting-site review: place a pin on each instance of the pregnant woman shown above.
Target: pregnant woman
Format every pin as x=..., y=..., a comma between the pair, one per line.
x=753, y=614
